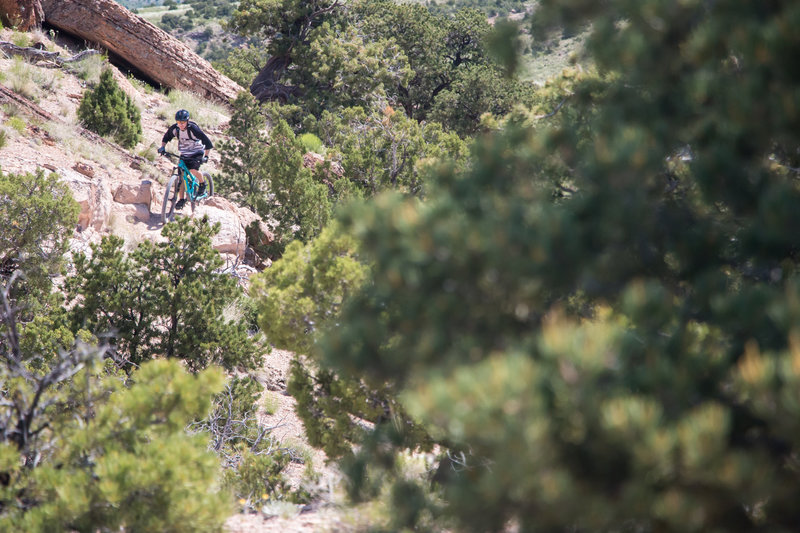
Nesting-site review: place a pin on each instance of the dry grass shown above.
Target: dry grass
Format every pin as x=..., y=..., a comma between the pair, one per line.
x=29, y=81
x=270, y=403
x=20, y=39
x=89, y=68
x=16, y=124
x=207, y=114
x=39, y=36
x=67, y=136
x=148, y=151
x=141, y=86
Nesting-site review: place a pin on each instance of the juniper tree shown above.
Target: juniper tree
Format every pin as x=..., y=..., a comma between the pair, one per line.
x=107, y=110
x=83, y=446
x=385, y=150
x=37, y=217
x=623, y=357
x=328, y=55
x=100, y=455
x=299, y=298
x=245, y=175
x=297, y=200
x=163, y=300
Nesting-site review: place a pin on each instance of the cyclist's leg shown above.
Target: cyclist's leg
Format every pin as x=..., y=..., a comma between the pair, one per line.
x=182, y=194
x=198, y=176
x=193, y=164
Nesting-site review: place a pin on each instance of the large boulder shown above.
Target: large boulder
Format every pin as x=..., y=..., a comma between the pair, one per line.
x=24, y=15
x=231, y=238
x=154, y=52
x=258, y=232
x=134, y=193
x=134, y=212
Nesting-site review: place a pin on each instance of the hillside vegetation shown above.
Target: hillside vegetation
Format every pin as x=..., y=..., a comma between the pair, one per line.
x=569, y=305
x=201, y=25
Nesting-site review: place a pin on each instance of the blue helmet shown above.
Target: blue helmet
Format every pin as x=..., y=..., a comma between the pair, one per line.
x=182, y=115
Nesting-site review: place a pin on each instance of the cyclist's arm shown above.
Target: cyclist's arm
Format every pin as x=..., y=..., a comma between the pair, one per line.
x=168, y=136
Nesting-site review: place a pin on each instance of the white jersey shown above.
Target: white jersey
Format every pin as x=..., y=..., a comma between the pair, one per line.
x=188, y=145
x=191, y=141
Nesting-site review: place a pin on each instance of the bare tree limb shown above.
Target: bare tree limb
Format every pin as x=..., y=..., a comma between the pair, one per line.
x=53, y=59
x=25, y=406
x=554, y=111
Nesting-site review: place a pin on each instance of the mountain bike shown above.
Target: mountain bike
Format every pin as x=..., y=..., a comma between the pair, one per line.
x=180, y=179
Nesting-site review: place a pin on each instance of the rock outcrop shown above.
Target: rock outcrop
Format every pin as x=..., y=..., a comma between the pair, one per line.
x=154, y=52
x=93, y=196
x=23, y=15
x=136, y=205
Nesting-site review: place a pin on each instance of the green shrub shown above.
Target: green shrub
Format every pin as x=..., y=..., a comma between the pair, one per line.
x=129, y=467
x=258, y=476
x=3, y=138
x=107, y=110
x=311, y=143
x=174, y=284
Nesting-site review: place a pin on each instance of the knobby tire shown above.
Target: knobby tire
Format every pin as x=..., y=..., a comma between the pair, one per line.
x=168, y=207
x=209, y=184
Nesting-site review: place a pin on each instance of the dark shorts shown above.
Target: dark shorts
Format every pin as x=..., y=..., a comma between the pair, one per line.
x=193, y=161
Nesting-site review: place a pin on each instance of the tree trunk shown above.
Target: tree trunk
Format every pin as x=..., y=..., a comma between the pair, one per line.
x=23, y=15
x=266, y=87
x=158, y=55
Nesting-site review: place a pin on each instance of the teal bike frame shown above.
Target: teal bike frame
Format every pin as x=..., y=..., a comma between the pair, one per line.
x=182, y=179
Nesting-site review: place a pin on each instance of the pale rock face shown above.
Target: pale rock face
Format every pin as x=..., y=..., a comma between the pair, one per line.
x=94, y=197
x=81, y=189
x=135, y=204
x=134, y=212
x=220, y=203
x=81, y=243
x=245, y=218
x=102, y=205
x=231, y=238
x=128, y=193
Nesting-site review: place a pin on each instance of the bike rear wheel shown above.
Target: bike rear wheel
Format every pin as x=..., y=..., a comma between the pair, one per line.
x=170, y=198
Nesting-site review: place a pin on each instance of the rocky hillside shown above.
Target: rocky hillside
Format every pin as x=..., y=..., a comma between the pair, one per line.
x=121, y=192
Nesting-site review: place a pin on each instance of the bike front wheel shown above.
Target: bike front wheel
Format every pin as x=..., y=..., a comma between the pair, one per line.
x=209, y=185
x=170, y=198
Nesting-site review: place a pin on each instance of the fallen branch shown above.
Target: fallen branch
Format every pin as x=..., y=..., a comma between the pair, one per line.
x=51, y=59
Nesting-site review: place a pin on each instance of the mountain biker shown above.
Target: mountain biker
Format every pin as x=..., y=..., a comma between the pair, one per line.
x=194, y=146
